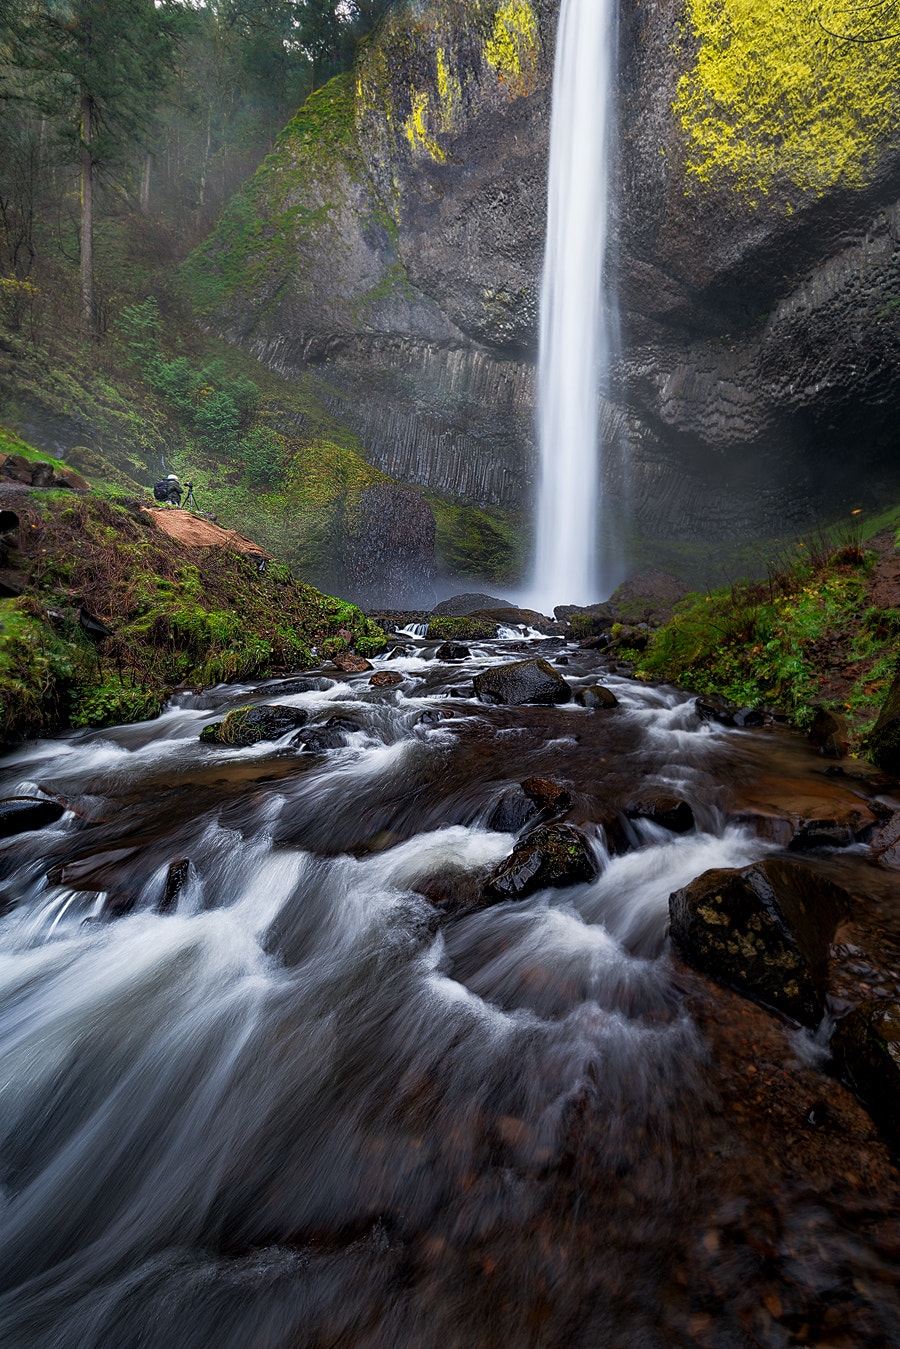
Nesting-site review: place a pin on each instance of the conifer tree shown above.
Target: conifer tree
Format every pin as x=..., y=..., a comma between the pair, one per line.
x=98, y=67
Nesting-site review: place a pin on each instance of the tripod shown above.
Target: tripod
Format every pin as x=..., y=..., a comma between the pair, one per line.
x=190, y=504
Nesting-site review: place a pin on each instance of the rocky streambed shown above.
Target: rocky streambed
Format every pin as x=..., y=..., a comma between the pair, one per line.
x=344, y=1010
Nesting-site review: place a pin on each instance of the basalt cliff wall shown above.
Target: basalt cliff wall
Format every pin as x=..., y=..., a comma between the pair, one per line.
x=393, y=242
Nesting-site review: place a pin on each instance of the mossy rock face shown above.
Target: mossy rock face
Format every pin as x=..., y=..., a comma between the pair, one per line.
x=551, y=856
x=866, y=1051
x=250, y=725
x=461, y=629
x=523, y=681
x=763, y=930
x=884, y=740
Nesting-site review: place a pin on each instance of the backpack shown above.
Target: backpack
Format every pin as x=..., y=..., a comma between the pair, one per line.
x=161, y=490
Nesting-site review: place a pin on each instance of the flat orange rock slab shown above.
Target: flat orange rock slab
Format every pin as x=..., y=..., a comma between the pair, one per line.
x=780, y=809
x=197, y=533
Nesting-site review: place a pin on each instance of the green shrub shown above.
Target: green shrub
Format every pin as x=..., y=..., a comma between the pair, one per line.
x=262, y=452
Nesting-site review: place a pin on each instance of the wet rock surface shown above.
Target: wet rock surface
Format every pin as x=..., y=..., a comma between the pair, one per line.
x=595, y=695
x=250, y=725
x=551, y=856
x=764, y=930
x=470, y=603
x=866, y=1051
x=20, y=814
x=385, y=679
x=524, y=681
x=884, y=741
x=348, y=662
x=669, y=811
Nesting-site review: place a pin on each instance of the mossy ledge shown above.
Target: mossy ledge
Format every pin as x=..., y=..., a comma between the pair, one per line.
x=177, y=615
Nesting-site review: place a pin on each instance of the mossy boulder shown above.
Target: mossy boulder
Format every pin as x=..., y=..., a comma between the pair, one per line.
x=551, y=856
x=250, y=725
x=523, y=681
x=464, y=629
x=884, y=740
x=763, y=930
x=866, y=1052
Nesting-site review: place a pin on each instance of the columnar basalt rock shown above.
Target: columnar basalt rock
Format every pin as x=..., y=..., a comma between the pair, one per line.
x=394, y=238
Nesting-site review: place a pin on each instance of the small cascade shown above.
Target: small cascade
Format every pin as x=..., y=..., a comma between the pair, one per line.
x=577, y=318
x=413, y=630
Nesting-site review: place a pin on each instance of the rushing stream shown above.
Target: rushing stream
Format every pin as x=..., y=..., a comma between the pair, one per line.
x=297, y=1108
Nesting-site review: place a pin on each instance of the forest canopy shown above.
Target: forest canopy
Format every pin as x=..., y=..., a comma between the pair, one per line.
x=163, y=109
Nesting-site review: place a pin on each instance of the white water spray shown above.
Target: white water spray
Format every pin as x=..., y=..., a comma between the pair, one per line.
x=576, y=318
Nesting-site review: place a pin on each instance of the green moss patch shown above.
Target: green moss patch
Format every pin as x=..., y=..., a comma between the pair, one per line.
x=804, y=637
x=463, y=628
x=178, y=615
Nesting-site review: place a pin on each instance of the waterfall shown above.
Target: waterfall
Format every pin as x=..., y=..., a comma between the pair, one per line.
x=577, y=319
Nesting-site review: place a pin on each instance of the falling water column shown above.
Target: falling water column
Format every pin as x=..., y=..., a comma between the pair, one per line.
x=576, y=318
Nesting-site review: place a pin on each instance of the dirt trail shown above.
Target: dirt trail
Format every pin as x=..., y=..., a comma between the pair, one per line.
x=197, y=533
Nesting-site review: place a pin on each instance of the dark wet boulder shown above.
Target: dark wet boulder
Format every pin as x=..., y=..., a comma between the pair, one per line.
x=763, y=930
x=350, y=663
x=385, y=679
x=250, y=725
x=829, y=733
x=883, y=745
x=435, y=715
x=596, y=696
x=547, y=795
x=866, y=1052
x=672, y=812
x=707, y=710
x=885, y=844
x=748, y=716
x=286, y=688
x=551, y=856
x=322, y=737
x=511, y=812
x=648, y=597
x=452, y=651
x=176, y=880
x=22, y=814
x=585, y=620
x=524, y=681
x=460, y=605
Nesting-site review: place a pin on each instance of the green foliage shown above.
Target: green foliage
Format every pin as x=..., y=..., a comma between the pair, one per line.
x=755, y=644
x=141, y=326
x=582, y=625
x=262, y=453
x=173, y=620
x=479, y=543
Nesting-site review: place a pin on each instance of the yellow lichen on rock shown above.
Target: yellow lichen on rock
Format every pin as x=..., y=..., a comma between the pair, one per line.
x=774, y=99
x=417, y=130
x=511, y=49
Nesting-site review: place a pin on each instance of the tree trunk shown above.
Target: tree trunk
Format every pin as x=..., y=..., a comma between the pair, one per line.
x=88, y=297
x=145, y=183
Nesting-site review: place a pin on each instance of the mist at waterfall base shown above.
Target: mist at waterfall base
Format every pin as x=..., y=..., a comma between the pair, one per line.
x=577, y=323
x=299, y=1109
